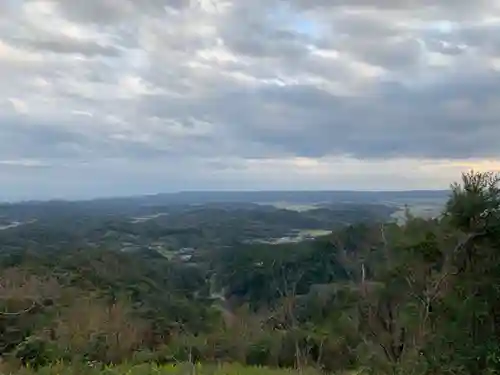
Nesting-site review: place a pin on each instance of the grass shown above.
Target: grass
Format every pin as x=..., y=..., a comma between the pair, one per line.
x=148, y=369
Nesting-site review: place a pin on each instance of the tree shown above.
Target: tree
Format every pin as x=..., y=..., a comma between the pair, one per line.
x=427, y=296
x=470, y=311
x=24, y=299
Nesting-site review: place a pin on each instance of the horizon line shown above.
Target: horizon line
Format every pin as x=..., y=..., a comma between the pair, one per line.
x=179, y=192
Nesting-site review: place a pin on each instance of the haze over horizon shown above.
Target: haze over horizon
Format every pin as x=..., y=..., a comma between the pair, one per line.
x=131, y=97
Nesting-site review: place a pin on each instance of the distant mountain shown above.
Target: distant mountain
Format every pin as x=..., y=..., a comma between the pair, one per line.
x=141, y=205
x=302, y=197
x=297, y=197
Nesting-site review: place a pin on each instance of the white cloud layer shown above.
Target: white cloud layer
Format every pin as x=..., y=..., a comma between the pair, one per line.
x=103, y=97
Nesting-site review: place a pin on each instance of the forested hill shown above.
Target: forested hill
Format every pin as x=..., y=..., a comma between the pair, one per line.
x=418, y=297
x=169, y=228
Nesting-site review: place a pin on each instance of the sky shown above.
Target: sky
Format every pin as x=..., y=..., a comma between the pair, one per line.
x=125, y=97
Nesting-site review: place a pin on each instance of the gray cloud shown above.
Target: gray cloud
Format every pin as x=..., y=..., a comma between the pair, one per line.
x=67, y=45
x=206, y=90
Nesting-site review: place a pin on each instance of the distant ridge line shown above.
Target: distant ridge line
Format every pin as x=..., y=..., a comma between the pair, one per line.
x=253, y=196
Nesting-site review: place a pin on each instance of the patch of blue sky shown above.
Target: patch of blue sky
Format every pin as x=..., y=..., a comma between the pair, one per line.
x=284, y=16
x=306, y=26
x=13, y=4
x=442, y=26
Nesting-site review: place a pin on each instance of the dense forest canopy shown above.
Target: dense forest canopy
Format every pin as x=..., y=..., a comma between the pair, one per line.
x=368, y=294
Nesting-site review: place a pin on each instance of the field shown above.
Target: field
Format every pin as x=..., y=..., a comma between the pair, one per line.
x=314, y=233
x=292, y=206
x=297, y=236
x=185, y=369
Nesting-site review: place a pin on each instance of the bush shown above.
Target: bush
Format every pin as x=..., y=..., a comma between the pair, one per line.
x=35, y=352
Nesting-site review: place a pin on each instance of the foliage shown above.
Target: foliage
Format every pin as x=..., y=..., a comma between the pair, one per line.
x=174, y=369
x=380, y=297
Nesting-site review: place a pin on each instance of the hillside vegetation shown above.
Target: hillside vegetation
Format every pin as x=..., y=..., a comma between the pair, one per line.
x=172, y=369
x=372, y=296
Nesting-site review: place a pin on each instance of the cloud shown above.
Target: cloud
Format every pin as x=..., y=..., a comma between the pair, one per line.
x=225, y=93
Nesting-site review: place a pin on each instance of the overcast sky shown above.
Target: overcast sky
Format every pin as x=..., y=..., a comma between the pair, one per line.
x=118, y=97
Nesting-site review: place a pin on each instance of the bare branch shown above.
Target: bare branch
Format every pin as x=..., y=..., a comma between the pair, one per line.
x=17, y=313
x=18, y=287
x=435, y=290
